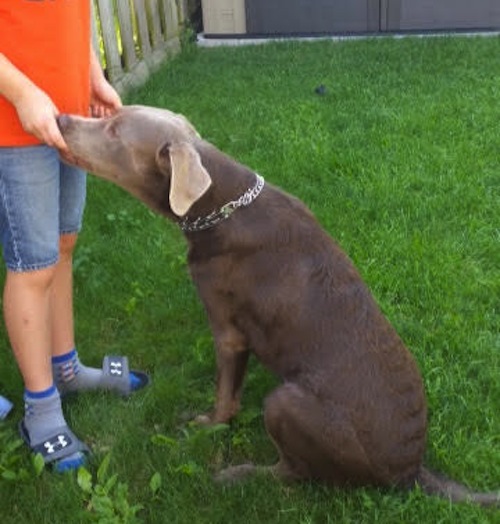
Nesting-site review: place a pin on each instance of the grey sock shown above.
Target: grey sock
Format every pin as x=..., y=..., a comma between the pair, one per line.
x=43, y=416
x=42, y=413
x=71, y=375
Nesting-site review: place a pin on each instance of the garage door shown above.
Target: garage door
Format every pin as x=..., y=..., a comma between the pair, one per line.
x=404, y=15
x=311, y=16
x=266, y=17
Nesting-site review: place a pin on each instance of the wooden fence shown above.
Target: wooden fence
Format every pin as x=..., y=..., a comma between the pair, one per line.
x=133, y=37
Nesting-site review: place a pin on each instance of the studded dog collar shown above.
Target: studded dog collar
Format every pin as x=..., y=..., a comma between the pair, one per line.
x=201, y=223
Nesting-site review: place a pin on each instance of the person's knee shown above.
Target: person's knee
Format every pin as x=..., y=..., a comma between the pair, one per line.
x=40, y=279
x=67, y=243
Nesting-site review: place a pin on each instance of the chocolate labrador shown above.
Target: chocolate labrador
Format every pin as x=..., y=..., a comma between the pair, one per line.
x=351, y=409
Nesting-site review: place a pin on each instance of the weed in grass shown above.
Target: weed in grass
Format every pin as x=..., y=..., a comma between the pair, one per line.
x=138, y=295
x=12, y=466
x=106, y=498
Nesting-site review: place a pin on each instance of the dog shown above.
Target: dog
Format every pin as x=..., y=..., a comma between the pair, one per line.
x=351, y=410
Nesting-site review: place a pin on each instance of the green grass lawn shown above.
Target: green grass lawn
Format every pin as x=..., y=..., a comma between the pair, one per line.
x=400, y=162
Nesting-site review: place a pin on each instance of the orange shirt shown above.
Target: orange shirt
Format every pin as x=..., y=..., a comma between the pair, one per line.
x=49, y=41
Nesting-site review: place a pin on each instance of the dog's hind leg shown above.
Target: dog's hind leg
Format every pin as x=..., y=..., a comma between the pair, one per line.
x=315, y=441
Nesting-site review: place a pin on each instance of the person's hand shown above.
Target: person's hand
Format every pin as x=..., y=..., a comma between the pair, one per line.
x=104, y=100
x=37, y=114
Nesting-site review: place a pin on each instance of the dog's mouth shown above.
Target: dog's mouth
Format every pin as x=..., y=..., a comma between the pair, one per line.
x=69, y=158
x=64, y=123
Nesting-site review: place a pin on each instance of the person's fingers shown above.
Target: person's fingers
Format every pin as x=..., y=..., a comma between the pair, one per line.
x=51, y=135
x=37, y=114
x=116, y=101
x=105, y=100
x=98, y=110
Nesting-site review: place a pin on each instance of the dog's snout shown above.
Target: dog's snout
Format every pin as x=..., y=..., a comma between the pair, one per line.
x=63, y=122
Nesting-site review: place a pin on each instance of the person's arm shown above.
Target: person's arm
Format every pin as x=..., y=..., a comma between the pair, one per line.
x=36, y=111
x=104, y=100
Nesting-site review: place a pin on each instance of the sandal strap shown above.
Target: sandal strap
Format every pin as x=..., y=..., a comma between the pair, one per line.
x=5, y=407
x=60, y=444
x=116, y=373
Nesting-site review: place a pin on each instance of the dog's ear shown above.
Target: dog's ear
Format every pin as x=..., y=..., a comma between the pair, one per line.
x=189, y=180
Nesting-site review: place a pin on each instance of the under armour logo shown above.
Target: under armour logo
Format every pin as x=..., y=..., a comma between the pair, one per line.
x=56, y=444
x=115, y=368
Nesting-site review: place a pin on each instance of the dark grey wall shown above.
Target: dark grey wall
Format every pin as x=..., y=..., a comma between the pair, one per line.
x=442, y=14
x=311, y=16
x=337, y=16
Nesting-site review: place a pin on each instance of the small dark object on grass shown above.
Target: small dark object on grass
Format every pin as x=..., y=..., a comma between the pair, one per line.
x=320, y=90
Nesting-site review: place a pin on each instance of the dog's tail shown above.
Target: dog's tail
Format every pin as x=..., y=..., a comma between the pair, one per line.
x=436, y=484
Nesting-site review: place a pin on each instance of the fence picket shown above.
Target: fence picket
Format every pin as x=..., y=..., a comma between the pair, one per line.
x=95, y=30
x=142, y=27
x=154, y=15
x=133, y=37
x=109, y=38
x=171, y=17
x=126, y=33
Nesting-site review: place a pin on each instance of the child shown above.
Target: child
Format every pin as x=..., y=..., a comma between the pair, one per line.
x=46, y=67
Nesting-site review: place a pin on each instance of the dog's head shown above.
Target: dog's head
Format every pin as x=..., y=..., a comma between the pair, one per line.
x=149, y=152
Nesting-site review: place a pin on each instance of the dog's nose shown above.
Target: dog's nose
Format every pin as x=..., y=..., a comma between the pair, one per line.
x=63, y=122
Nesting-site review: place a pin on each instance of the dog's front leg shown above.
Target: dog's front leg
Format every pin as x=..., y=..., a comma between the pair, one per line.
x=232, y=359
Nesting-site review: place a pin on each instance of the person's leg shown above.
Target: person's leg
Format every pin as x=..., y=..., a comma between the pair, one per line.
x=29, y=193
x=26, y=301
x=61, y=298
x=70, y=374
x=29, y=233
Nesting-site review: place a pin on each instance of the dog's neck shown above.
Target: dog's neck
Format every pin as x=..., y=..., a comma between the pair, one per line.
x=190, y=225
x=233, y=186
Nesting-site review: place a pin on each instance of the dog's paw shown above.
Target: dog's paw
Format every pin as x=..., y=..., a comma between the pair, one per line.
x=235, y=474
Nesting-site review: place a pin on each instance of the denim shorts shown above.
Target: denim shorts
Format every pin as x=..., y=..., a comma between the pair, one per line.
x=41, y=198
